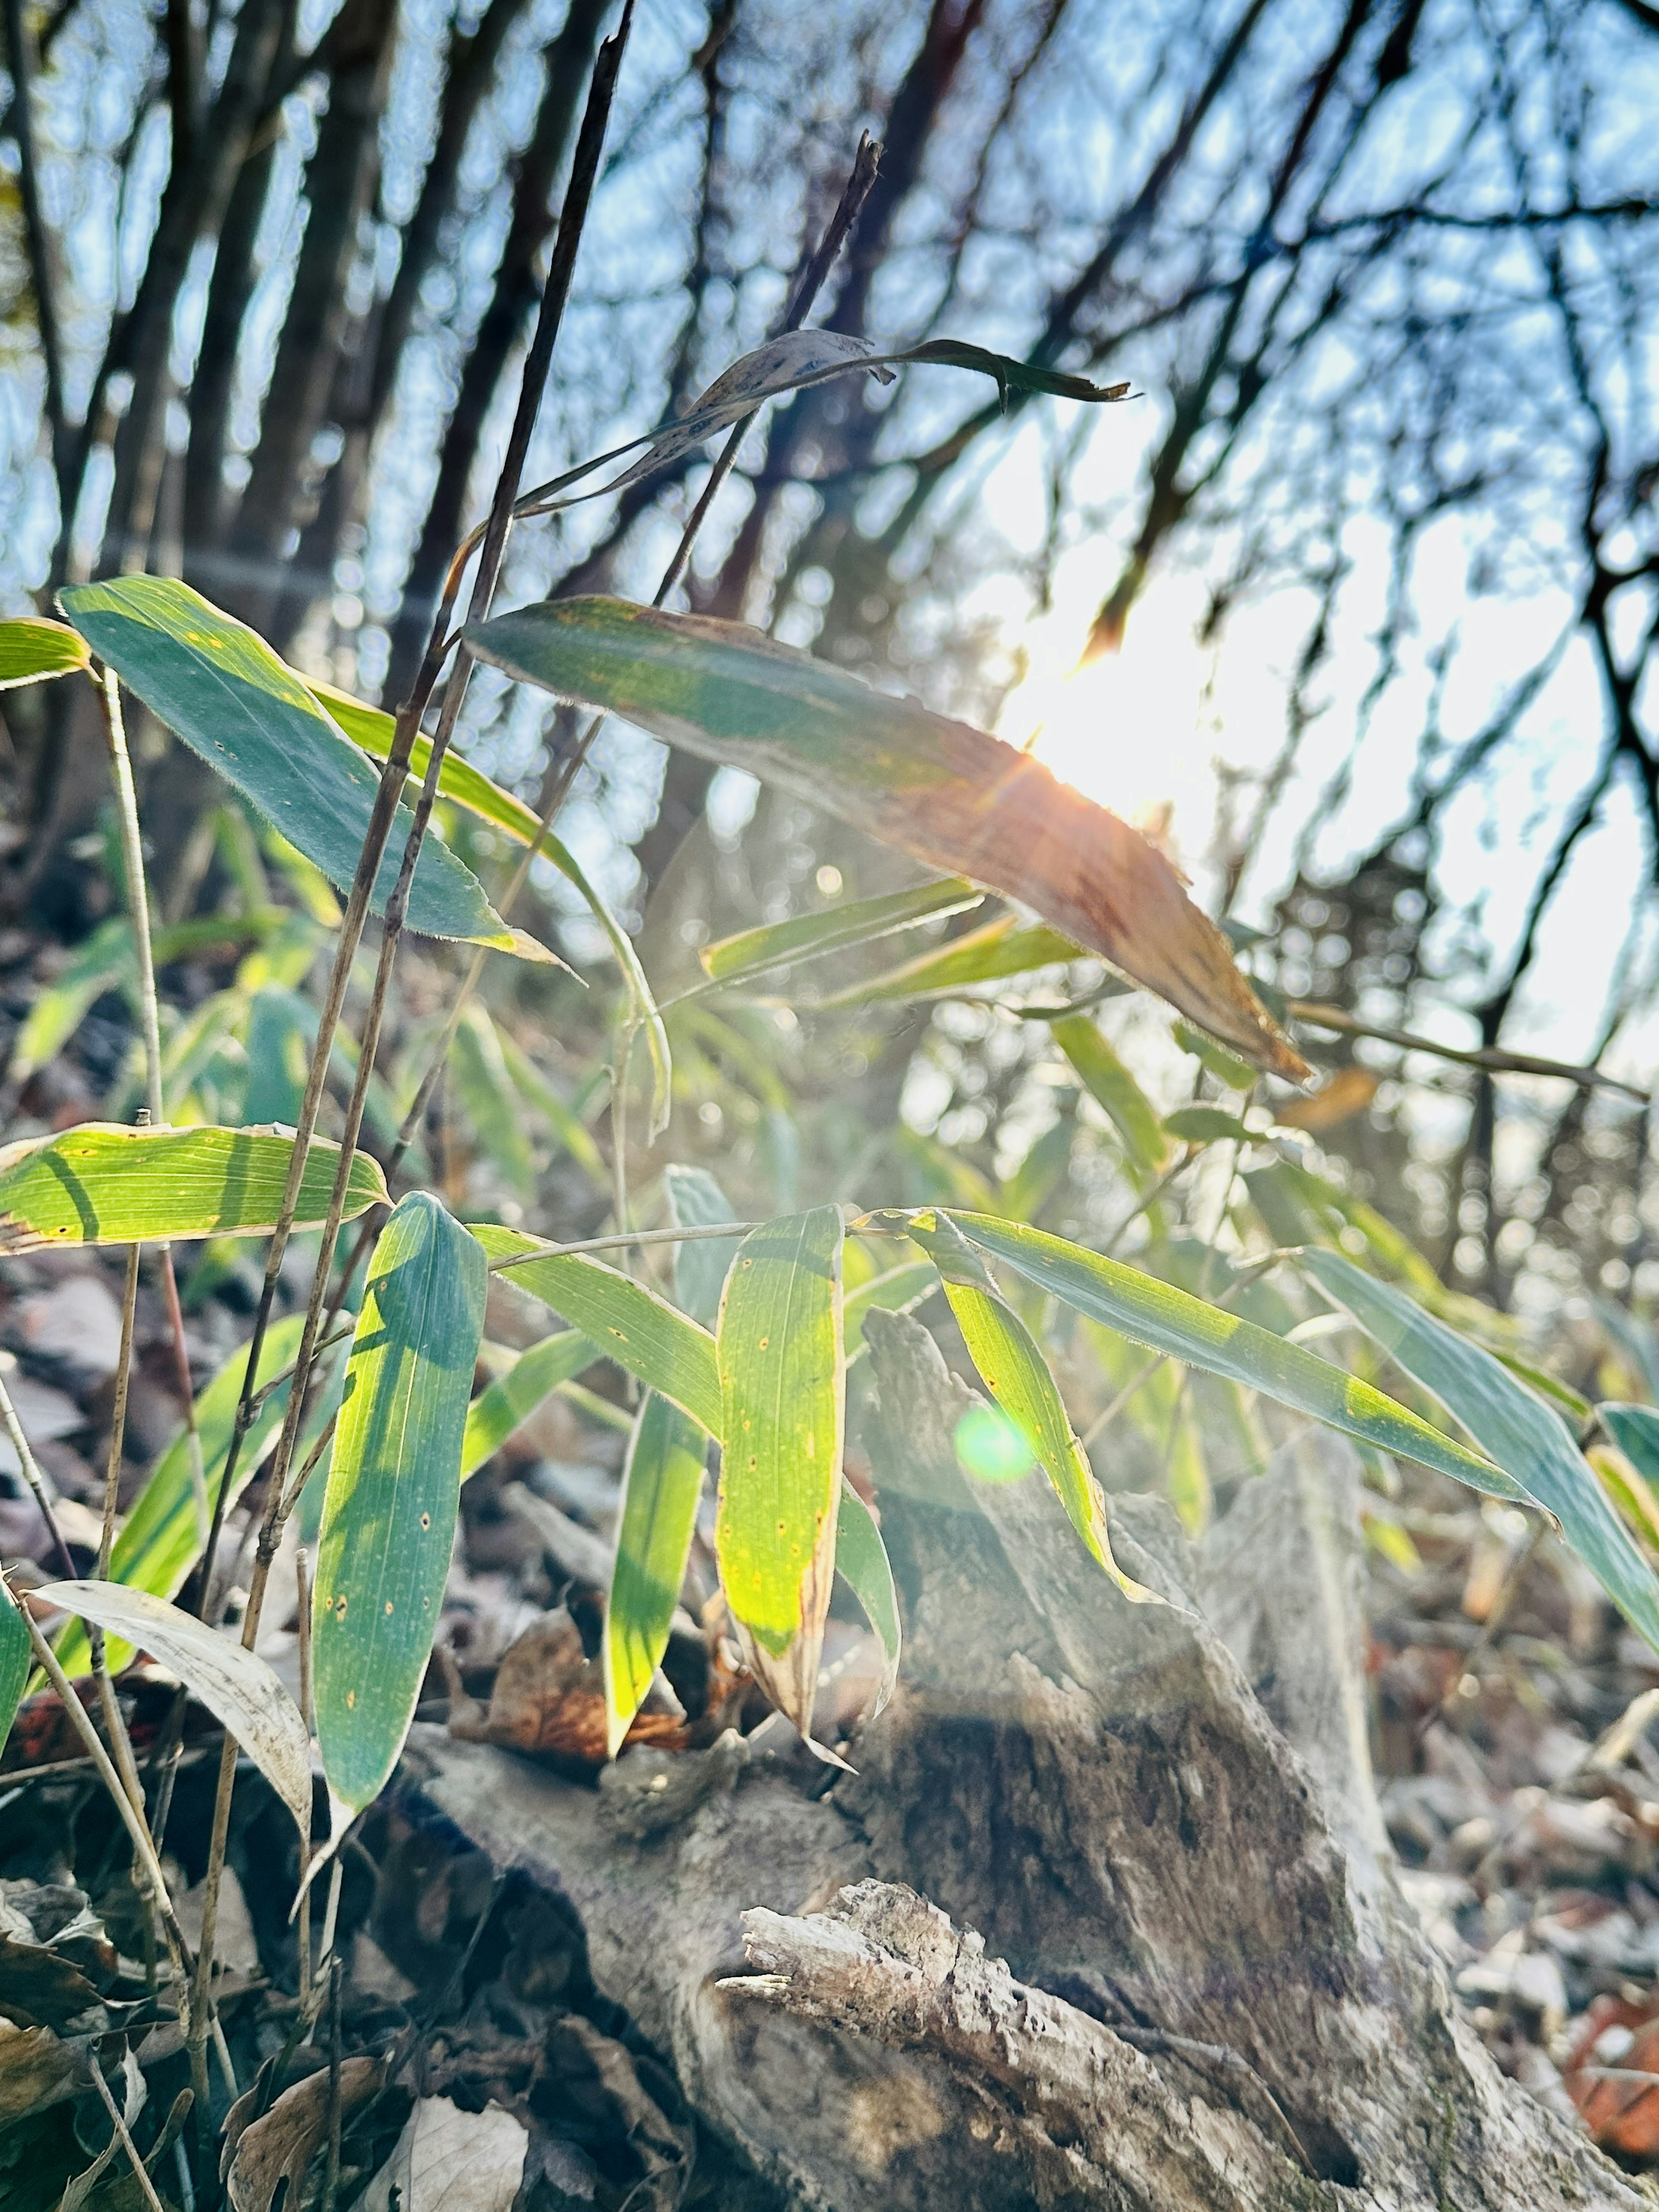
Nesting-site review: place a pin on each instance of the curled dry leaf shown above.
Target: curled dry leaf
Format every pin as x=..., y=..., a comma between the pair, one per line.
x=549, y=1697
x=258, y=2153
x=949, y=795
x=448, y=2160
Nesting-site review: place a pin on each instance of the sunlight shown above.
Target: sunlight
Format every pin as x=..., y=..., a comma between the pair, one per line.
x=1135, y=730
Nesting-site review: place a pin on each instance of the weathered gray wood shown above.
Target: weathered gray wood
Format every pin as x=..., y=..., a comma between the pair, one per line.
x=1213, y=2000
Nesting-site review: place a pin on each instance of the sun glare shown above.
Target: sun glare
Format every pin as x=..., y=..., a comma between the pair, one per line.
x=1134, y=730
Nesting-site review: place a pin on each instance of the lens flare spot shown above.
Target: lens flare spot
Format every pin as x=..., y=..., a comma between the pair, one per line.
x=990, y=1447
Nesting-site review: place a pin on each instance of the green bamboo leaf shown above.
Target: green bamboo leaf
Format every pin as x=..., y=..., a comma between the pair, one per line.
x=643, y=1013
x=161, y=1539
x=950, y=796
x=1300, y=1208
x=1234, y=1074
x=628, y=1321
x=33, y=652
x=1011, y=1366
x=17, y=1653
x=1635, y=1430
x=486, y=1090
x=897, y=1291
x=755, y=952
x=1528, y=1439
x=239, y=1689
x=783, y=1381
x=1171, y=1321
x=861, y=1562
x=662, y=1482
x=228, y=696
x=104, y=1183
x=1110, y=1085
x=696, y=1201
x=1636, y=1342
x=996, y=951
x=512, y=1398
x=281, y=1029
x=1205, y=1125
x=393, y=1488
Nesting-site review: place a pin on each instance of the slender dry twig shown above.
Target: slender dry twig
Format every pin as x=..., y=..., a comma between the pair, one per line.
x=140, y=2171
x=36, y=1480
x=1488, y=1058
x=332, y=2171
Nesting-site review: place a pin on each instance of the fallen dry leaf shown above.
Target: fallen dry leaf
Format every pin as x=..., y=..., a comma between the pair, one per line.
x=258, y=2153
x=1349, y=1091
x=549, y=1696
x=448, y=2160
x=1612, y=2075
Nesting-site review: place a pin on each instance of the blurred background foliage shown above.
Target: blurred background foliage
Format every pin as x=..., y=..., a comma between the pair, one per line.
x=1387, y=273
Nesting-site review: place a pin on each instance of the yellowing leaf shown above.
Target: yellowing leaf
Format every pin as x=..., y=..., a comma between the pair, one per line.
x=783, y=1384
x=33, y=652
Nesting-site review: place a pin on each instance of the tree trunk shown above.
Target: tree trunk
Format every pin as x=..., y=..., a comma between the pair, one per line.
x=1214, y=1996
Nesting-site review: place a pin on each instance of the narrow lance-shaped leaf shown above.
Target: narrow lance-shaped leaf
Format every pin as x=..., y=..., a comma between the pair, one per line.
x=512, y=1398
x=776, y=944
x=1172, y=1320
x=161, y=1538
x=478, y=1068
x=996, y=950
x=627, y=1321
x=791, y=362
x=1525, y=1436
x=950, y=796
x=1011, y=1364
x=393, y=1488
x=16, y=1652
x=1110, y=1085
x=696, y=1201
x=239, y=1689
x=783, y=1380
x=33, y=652
x=1635, y=1430
x=222, y=690
x=862, y=1563
x=662, y=1482
x=104, y=1183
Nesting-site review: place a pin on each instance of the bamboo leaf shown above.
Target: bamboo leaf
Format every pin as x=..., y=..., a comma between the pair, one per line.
x=561, y=1118
x=950, y=796
x=897, y=1291
x=17, y=1653
x=239, y=1689
x=33, y=652
x=487, y=1092
x=512, y=1398
x=628, y=1321
x=222, y=690
x=1171, y=1321
x=1526, y=1437
x=105, y=1184
x=393, y=1488
x=696, y=1201
x=1635, y=1430
x=862, y=1563
x=161, y=1539
x=996, y=950
x=1234, y=1074
x=756, y=952
x=662, y=1482
x=1110, y=1085
x=783, y=1382
x=1011, y=1366
x=1205, y=1125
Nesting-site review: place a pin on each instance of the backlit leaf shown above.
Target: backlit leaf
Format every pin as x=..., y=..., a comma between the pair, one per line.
x=662, y=1482
x=783, y=1380
x=896, y=1290
x=696, y=1201
x=861, y=1562
x=755, y=952
x=222, y=690
x=1110, y=1085
x=949, y=795
x=1204, y=1125
x=1526, y=1437
x=1635, y=1430
x=1172, y=1320
x=105, y=1184
x=628, y=1321
x=393, y=1487
x=512, y=1398
x=32, y=651
x=239, y=1689
x=996, y=950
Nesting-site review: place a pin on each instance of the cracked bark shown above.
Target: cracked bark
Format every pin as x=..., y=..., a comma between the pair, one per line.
x=1095, y=1924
